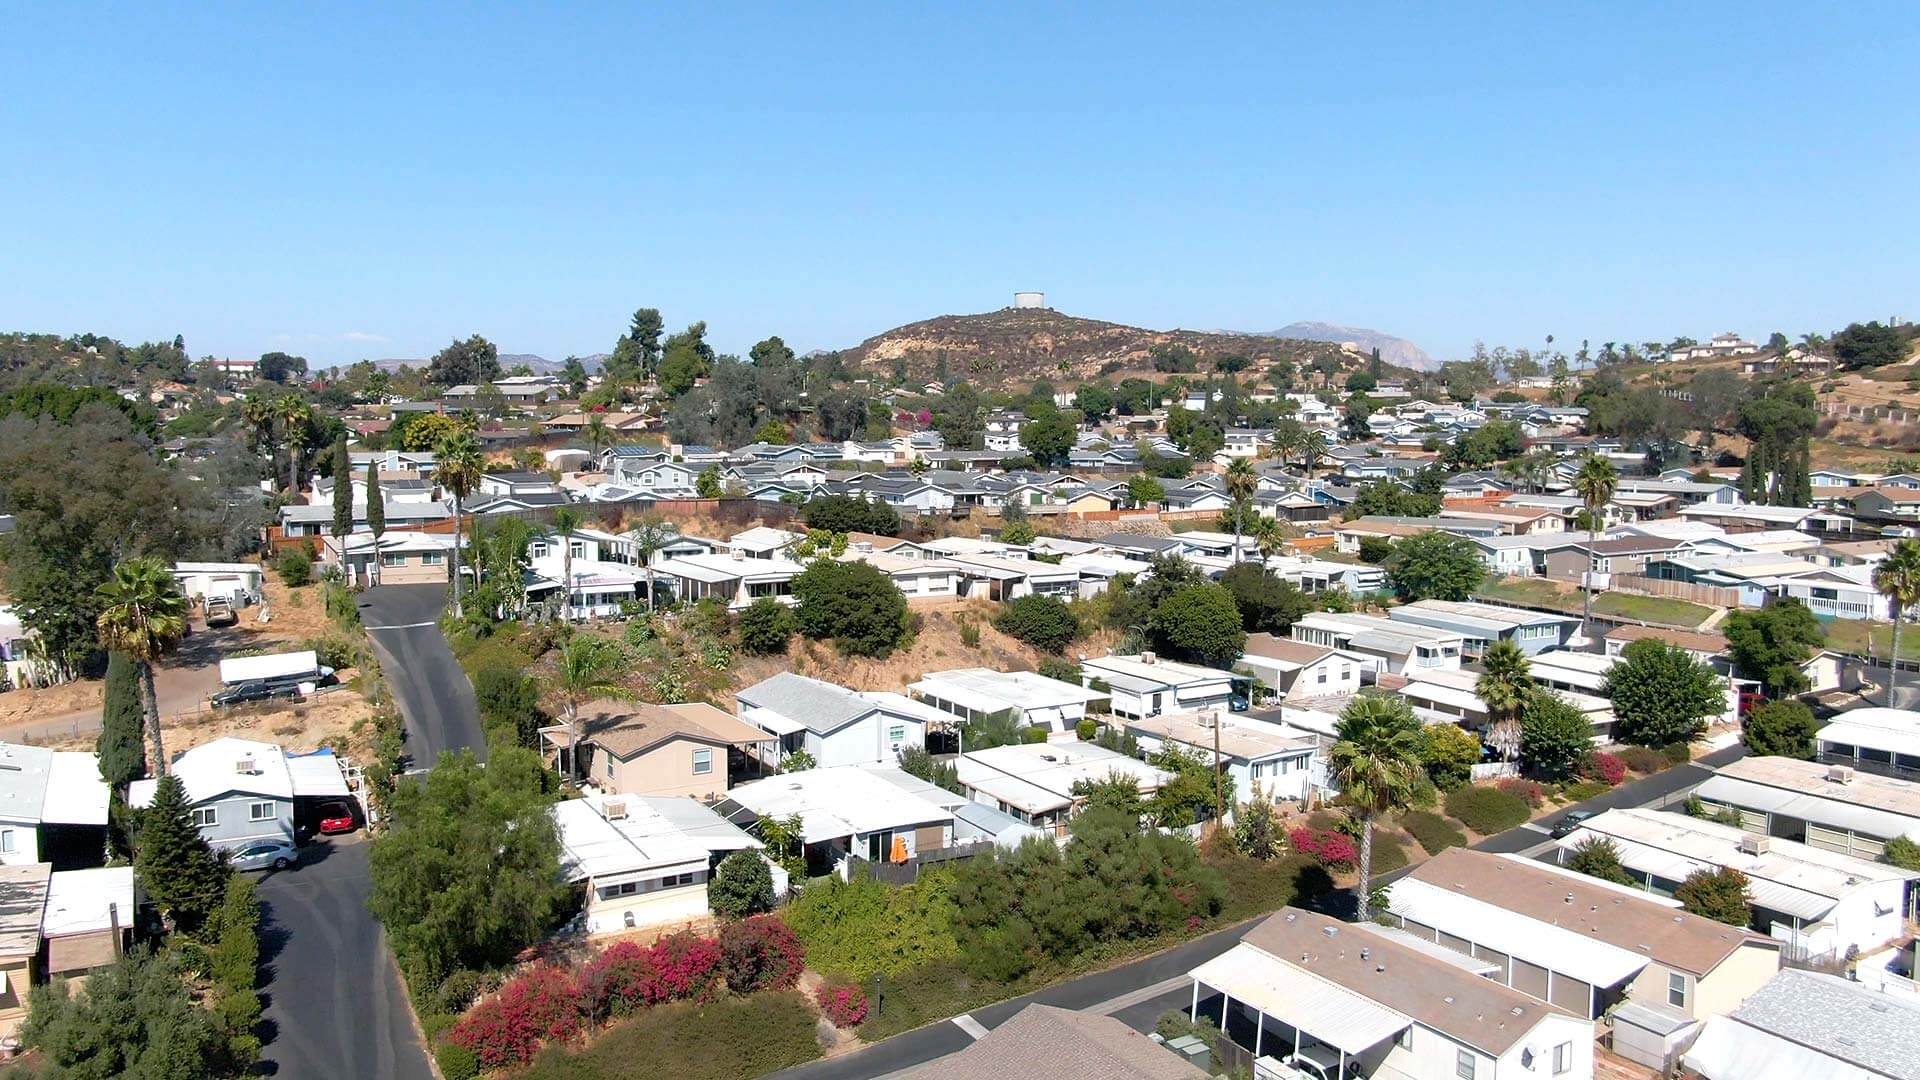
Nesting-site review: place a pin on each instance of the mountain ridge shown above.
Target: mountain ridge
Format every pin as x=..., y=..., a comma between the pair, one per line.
x=1393, y=350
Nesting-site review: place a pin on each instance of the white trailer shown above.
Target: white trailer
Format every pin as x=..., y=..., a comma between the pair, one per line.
x=290, y=665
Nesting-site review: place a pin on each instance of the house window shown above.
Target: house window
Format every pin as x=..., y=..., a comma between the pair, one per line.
x=1463, y=1064
x=1321, y=677
x=897, y=733
x=393, y=560
x=578, y=549
x=204, y=816
x=1676, y=990
x=260, y=811
x=432, y=558
x=6, y=841
x=702, y=762
x=1562, y=1058
x=539, y=550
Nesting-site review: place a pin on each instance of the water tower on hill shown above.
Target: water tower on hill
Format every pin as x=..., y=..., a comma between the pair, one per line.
x=1035, y=300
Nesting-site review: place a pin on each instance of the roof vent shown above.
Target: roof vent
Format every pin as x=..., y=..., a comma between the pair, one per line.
x=1569, y=898
x=1330, y=931
x=1365, y=954
x=1448, y=999
x=1754, y=845
x=244, y=766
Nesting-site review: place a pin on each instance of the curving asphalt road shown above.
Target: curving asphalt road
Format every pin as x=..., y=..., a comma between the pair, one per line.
x=403, y=621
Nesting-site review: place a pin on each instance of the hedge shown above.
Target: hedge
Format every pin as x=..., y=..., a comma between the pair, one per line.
x=1643, y=759
x=1487, y=810
x=721, y=1040
x=1435, y=833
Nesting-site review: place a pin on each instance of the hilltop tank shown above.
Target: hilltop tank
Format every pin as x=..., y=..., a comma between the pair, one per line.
x=1029, y=300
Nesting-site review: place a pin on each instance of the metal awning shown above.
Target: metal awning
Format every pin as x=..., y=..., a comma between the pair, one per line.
x=1832, y=813
x=768, y=720
x=1321, y=1010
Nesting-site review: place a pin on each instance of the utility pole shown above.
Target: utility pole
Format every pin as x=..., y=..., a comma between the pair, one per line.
x=1219, y=794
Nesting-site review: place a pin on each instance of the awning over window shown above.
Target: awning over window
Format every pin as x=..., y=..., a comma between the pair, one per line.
x=1321, y=1010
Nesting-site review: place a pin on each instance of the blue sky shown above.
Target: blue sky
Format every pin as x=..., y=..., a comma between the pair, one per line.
x=368, y=182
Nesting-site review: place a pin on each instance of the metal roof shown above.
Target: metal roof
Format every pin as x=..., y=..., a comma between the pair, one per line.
x=1536, y=942
x=1833, y=813
x=1329, y=1013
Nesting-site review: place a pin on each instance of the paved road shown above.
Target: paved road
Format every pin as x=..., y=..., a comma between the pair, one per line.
x=432, y=689
x=335, y=1006
x=1139, y=992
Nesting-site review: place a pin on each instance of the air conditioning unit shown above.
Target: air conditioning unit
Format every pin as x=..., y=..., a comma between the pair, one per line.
x=244, y=766
x=1840, y=774
x=615, y=810
x=1754, y=845
x=1148, y=658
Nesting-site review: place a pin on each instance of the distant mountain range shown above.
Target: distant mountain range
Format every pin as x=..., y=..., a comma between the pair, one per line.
x=508, y=361
x=1393, y=350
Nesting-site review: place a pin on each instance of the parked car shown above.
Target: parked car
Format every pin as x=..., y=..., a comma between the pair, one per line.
x=220, y=611
x=337, y=817
x=1749, y=701
x=256, y=690
x=263, y=855
x=1572, y=820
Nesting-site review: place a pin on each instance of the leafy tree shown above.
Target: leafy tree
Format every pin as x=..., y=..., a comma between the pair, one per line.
x=1598, y=857
x=850, y=514
x=915, y=761
x=1554, y=736
x=589, y=668
x=1781, y=729
x=1435, y=566
x=1198, y=622
x=1018, y=532
x=1449, y=754
x=1268, y=603
x=1779, y=423
x=457, y=467
x=1903, y=853
x=1374, y=763
x=1720, y=894
x=123, y=758
x=278, y=367
x=135, y=1019
x=1375, y=550
x=509, y=703
x=1384, y=498
x=179, y=871
x=707, y=484
x=1869, y=345
x=1115, y=791
x=468, y=872
x=1093, y=400
x=143, y=616
x=854, y=604
x=1770, y=644
x=741, y=885
x=1044, y=622
x=766, y=626
x=574, y=374
x=1504, y=685
x=1898, y=579
x=423, y=431
x=1143, y=489
x=342, y=490
x=1173, y=357
x=1048, y=439
x=470, y=362
x=1661, y=694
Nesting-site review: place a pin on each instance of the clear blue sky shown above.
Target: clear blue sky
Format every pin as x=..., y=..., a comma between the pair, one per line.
x=368, y=183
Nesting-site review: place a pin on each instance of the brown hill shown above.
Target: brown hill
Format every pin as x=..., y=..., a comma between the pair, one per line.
x=1018, y=345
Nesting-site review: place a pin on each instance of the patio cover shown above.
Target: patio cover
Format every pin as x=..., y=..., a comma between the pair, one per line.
x=1322, y=1010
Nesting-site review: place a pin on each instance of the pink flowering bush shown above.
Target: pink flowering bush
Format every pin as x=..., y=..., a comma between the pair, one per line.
x=1526, y=789
x=687, y=966
x=846, y=1006
x=620, y=980
x=760, y=954
x=1604, y=767
x=542, y=1005
x=1325, y=846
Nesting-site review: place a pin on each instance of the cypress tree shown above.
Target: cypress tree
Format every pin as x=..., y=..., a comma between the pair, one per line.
x=342, y=490
x=376, y=517
x=123, y=755
x=179, y=871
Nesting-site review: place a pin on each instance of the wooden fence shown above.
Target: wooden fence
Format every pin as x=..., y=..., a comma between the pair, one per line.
x=1710, y=595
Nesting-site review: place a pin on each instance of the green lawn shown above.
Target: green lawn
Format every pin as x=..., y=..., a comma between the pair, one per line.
x=1541, y=592
x=730, y=1039
x=1538, y=591
x=1854, y=636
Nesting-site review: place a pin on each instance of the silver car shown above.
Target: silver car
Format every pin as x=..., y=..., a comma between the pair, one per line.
x=263, y=855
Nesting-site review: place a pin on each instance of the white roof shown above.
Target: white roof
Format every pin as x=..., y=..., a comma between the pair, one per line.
x=316, y=774
x=1748, y=511
x=1325, y=1010
x=1046, y=772
x=1588, y=671
x=716, y=568
x=987, y=690
x=1727, y=1049
x=1893, y=730
x=1540, y=943
x=77, y=900
x=59, y=787
x=593, y=846
x=212, y=769
x=762, y=538
x=217, y=568
x=1161, y=672
x=843, y=800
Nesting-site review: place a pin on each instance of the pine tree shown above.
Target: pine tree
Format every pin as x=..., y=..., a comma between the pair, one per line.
x=342, y=490
x=123, y=757
x=176, y=867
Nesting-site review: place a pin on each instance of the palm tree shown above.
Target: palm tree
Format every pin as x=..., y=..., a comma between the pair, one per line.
x=587, y=670
x=1595, y=483
x=259, y=413
x=1505, y=684
x=1242, y=482
x=1287, y=437
x=599, y=436
x=294, y=416
x=457, y=467
x=1898, y=579
x=565, y=520
x=652, y=534
x=1374, y=764
x=1313, y=450
x=143, y=616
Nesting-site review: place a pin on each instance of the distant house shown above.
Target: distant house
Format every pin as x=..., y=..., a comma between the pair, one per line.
x=641, y=862
x=1146, y=685
x=404, y=558
x=1297, y=671
x=1834, y=808
x=1035, y=782
x=736, y=580
x=53, y=807
x=1875, y=740
x=244, y=792
x=1398, y=648
x=832, y=724
x=1272, y=758
x=874, y=813
x=636, y=748
x=970, y=694
x=1480, y=625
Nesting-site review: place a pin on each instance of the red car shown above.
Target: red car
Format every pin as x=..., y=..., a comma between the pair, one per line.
x=336, y=818
x=1750, y=701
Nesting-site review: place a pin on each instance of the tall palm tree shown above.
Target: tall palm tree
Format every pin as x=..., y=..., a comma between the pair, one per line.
x=143, y=616
x=1505, y=684
x=599, y=436
x=457, y=467
x=1313, y=450
x=259, y=413
x=1287, y=437
x=1595, y=483
x=588, y=668
x=294, y=416
x=1898, y=579
x=1242, y=482
x=1374, y=764
x=650, y=536
x=565, y=520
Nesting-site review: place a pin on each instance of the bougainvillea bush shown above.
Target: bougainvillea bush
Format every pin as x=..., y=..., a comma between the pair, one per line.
x=845, y=1005
x=1604, y=767
x=1327, y=847
x=1527, y=789
x=687, y=965
x=543, y=1004
x=760, y=954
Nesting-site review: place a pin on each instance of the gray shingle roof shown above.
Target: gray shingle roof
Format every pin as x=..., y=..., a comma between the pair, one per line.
x=1876, y=1031
x=822, y=706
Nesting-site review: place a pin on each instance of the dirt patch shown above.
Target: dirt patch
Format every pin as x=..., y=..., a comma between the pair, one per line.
x=33, y=703
x=297, y=615
x=339, y=718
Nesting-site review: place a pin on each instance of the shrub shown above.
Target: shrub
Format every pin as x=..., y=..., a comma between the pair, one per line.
x=863, y=928
x=456, y=1062
x=760, y=954
x=1087, y=728
x=1487, y=810
x=741, y=885
x=1330, y=849
x=844, y=1004
x=1044, y=622
x=1903, y=853
x=1061, y=668
x=295, y=566
x=730, y=1038
x=1598, y=857
x=1449, y=755
x=1433, y=832
x=1781, y=729
x=854, y=604
x=1643, y=759
x=1679, y=752
x=1388, y=855
x=544, y=1004
x=766, y=626
x=1720, y=894
x=1423, y=796
x=969, y=633
x=1604, y=767
x=1527, y=789
x=619, y=980
x=458, y=991
x=687, y=965
x=1583, y=790
x=1034, y=734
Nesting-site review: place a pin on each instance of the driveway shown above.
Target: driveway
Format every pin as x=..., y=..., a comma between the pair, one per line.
x=184, y=681
x=431, y=688
x=335, y=1006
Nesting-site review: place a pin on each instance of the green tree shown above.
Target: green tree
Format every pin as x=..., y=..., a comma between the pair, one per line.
x=1870, y=345
x=854, y=604
x=741, y=885
x=468, y=872
x=376, y=517
x=650, y=537
x=295, y=423
x=1721, y=894
x=1780, y=729
x=1018, y=532
x=1268, y=603
x=1048, y=439
x=1435, y=566
x=143, y=616
x=1374, y=763
x=1044, y=622
x=1449, y=754
x=509, y=704
x=850, y=514
x=766, y=626
x=589, y=668
x=1115, y=791
x=342, y=491
x=707, y=484
x=457, y=467
x=1143, y=489
x=179, y=872
x=1771, y=643
x=1898, y=579
x=1505, y=684
x=1598, y=857
x=1198, y=622
x=136, y=1019
x=1661, y=694
x=470, y=362
x=123, y=759
x=1554, y=736
x=1594, y=483
x=1903, y=853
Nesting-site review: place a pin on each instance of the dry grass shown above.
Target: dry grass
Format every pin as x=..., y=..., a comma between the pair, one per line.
x=25, y=705
x=340, y=718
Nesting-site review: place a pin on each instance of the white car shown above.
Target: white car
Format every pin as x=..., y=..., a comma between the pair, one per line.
x=263, y=855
